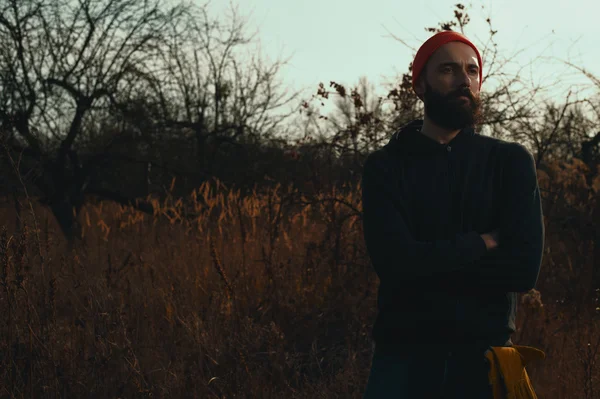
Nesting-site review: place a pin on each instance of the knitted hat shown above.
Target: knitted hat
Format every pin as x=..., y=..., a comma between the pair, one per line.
x=435, y=42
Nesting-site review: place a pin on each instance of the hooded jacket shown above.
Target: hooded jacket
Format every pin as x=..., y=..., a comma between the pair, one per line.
x=425, y=205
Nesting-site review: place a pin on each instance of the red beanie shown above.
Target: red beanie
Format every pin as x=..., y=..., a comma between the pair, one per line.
x=435, y=42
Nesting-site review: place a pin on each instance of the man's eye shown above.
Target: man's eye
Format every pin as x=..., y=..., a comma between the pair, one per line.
x=474, y=71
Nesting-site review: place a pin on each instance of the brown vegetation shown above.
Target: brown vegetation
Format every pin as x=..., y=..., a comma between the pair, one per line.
x=270, y=295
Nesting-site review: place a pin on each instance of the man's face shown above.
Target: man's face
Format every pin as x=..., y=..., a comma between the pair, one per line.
x=450, y=87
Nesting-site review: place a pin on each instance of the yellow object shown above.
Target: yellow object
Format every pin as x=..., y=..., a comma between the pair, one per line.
x=507, y=373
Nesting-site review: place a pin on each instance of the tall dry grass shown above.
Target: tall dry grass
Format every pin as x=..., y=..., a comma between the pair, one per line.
x=268, y=295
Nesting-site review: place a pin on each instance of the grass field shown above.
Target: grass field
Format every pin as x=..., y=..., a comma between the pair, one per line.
x=265, y=296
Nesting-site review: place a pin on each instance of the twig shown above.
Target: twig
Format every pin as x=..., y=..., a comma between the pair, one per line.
x=35, y=223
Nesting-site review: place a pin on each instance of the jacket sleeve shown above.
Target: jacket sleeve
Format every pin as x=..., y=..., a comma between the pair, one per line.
x=514, y=265
x=394, y=253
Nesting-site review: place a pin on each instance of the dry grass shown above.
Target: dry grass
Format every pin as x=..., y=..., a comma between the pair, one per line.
x=270, y=295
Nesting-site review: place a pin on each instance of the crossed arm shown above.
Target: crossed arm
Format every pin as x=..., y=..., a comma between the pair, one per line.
x=507, y=259
x=514, y=265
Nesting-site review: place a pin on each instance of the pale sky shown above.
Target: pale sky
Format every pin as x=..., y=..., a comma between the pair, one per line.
x=342, y=40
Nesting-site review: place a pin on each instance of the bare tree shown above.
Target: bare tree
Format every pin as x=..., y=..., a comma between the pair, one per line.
x=86, y=84
x=555, y=133
x=61, y=63
x=590, y=147
x=213, y=85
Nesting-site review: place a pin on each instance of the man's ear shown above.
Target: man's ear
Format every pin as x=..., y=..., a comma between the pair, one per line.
x=420, y=87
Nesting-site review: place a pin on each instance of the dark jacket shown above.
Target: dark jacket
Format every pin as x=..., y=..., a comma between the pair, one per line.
x=425, y=205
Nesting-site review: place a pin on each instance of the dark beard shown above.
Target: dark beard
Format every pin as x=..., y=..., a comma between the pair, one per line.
x=449, y=112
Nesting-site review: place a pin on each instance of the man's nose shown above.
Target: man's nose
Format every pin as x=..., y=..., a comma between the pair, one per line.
x=464, y=79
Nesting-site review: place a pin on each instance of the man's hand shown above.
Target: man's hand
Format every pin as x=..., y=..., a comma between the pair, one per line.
x=491, y=239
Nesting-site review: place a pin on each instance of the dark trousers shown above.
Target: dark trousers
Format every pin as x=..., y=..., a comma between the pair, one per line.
x=429, y=373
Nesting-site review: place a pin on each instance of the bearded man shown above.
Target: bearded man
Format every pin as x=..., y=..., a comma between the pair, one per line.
x=454, y=228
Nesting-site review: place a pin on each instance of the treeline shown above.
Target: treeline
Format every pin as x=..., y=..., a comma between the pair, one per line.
x=121, y=100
